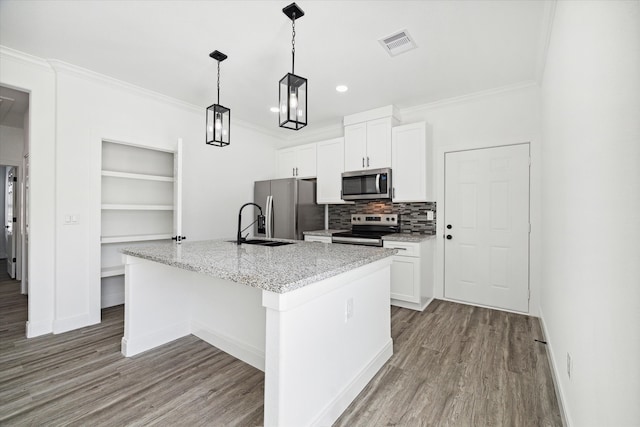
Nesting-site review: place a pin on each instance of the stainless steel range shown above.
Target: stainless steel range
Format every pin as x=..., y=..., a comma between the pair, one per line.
x=368, y=229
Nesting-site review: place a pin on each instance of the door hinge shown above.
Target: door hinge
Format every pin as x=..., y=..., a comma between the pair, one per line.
x=14, y=260
x=529, y=160
x=15, y=179
x=15, y=219
x=529, y=228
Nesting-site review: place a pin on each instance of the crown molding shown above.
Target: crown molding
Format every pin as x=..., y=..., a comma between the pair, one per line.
x=462, y=99
x=65, y=67
x=7, y=52
x=546, y=29
x=57, y=66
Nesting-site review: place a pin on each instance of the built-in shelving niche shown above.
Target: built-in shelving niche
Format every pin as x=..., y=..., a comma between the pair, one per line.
x=137, y=196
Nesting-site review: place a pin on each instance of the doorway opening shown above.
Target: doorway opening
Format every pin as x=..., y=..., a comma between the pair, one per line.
x=14, y=194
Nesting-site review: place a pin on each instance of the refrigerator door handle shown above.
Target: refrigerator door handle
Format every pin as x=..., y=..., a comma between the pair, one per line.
x=267, y=215
x=270, y=216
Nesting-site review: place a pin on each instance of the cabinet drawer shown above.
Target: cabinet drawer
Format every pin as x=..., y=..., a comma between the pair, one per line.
x=322, y=239
x=404, y=248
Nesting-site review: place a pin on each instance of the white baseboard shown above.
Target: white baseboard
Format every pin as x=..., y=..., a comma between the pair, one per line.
x=35, y=329
x=238, y=349
x=343, y=399
x=412, y=305
x=71, y=323
x=146, y=342
x=555, y=374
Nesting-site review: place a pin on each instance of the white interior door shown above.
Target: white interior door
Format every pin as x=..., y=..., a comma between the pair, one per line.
x=487, y=227
x=10, y=203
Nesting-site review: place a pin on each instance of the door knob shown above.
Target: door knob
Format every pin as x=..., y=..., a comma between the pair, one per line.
x=449, y=227
x=449, y=237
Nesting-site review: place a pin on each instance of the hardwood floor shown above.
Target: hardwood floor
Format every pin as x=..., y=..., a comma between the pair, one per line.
x=453, y=365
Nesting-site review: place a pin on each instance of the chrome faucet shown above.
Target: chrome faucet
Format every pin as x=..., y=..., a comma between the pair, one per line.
x=260, y=220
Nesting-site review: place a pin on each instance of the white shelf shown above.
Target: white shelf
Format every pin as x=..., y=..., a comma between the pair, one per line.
x=118, y=270
x=135, y=238
x=137, y=207
x=145, y=177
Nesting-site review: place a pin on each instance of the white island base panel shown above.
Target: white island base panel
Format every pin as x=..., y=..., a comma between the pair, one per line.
x=318, y=345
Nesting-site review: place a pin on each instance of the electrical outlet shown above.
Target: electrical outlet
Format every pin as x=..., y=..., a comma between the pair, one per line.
x=348, y=314
x=569, y=365
x=429, y=215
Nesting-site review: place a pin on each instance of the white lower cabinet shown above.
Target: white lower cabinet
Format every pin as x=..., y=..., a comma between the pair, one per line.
x=322, y=239
x=412, y=274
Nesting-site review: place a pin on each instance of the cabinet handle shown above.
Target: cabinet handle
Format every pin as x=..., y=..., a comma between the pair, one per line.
x=393, y=193
x=363, y=162
x=367, y=161
x=296, y=171
x=293, y=171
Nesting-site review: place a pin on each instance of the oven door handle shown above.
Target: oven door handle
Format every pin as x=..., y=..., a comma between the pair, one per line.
x=377, y=183
x=356, y=241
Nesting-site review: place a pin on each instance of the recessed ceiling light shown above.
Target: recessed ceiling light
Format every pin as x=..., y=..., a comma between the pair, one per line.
x=274, y=109
x=342, y=88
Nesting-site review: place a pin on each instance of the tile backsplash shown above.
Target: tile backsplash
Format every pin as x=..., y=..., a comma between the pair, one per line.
x=413, y=216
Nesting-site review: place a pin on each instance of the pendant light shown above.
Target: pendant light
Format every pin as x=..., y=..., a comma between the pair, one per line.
x=218, y=117
x=293, y=89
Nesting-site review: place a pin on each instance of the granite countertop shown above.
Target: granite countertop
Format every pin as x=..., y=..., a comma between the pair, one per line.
x=277, y=269
x=407, y=237
x=324, y=233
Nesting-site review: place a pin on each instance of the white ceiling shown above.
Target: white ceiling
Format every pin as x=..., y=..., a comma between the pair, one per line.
x=463, y=47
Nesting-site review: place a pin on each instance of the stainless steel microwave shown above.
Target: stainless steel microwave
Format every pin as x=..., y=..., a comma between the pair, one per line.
x=366, y=184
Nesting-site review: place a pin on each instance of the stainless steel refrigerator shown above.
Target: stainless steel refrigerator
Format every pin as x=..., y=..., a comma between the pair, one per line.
x=289, y=206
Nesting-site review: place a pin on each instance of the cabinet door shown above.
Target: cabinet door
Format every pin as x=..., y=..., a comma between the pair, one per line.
x=330, y=168
x=378, y=144
x=405, y=279
x=409, y=154
x=286, y=163
x=306, y=161
x=355, y=147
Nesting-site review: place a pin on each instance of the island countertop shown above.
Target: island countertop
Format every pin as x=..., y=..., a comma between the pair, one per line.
x=277, y=269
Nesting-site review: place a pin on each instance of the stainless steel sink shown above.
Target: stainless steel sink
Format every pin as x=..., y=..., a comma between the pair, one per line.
x=261, y=242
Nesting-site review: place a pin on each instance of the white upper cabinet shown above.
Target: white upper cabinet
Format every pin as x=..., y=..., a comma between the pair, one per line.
x=297, y=162
x=379, y=143
x=367, y=139
x=330, y=168
x=368, y=144
x=411, y=165
x=355, y=149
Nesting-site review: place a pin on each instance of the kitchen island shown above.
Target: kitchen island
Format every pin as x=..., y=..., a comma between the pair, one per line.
x=314, y=317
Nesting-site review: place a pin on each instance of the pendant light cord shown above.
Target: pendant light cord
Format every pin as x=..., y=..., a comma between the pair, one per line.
x=218, y=82
x=293, y=44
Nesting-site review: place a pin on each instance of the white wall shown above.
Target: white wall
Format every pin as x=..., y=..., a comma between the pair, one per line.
x=500, y=117
x=34, y=75
x=217, y=181
x=590, y=301
x=71, y=110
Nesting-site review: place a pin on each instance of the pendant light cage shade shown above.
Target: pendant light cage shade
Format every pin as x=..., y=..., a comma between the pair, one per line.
x=218, y=125
x=293, y=102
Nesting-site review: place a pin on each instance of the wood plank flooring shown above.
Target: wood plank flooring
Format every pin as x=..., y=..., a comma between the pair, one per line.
x=453, y=365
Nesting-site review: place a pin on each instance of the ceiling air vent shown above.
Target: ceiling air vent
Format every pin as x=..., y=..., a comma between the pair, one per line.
x=397, y=43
